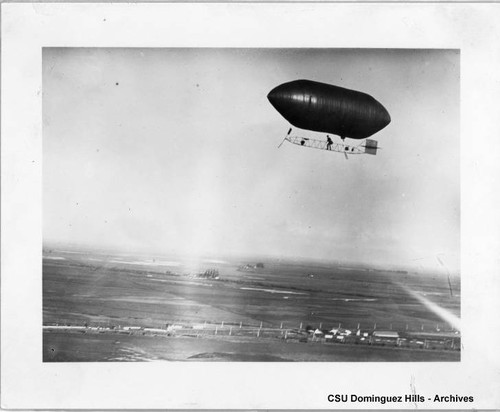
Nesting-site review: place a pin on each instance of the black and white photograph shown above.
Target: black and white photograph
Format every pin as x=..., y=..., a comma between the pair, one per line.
x=245, y=206
x=251, y=205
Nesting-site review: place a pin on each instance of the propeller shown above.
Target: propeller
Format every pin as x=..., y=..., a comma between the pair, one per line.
x=288, y=134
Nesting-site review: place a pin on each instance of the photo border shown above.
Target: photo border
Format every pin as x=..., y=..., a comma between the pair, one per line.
x=29, y=383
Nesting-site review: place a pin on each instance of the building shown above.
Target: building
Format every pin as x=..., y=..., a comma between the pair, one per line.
x=389, y=337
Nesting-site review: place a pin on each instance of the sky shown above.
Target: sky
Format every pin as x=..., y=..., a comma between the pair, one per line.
x=176, y=151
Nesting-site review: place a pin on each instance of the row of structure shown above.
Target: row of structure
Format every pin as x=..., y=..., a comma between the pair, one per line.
x=388, y=338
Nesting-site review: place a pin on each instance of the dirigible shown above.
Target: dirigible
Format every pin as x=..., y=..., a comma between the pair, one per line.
x=326, y=108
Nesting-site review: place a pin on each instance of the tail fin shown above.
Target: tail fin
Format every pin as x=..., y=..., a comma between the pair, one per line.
x=371, y=147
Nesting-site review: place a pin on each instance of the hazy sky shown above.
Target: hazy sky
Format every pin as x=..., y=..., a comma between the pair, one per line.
x=175, y=150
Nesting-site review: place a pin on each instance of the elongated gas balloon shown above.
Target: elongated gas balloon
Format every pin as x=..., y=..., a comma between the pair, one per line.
x=331, y=109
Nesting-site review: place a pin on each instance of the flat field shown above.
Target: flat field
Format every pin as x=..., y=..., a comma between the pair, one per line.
x=117, y=291
x=77, y=347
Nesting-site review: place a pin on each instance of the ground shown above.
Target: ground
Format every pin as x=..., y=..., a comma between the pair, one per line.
x=95, y=289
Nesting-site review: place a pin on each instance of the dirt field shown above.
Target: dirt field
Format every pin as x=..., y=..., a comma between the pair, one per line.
x=117, y=290
x=77, y=347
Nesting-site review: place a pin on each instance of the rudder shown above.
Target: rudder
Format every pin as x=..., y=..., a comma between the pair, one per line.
x=371, y=146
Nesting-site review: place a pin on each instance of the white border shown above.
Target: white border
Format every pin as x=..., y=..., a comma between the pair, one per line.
x=26, y=28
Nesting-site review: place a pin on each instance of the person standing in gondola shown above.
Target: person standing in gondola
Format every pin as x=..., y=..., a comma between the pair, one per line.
x=329, y=143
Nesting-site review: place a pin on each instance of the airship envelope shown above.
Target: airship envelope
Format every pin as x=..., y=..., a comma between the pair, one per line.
x=331, y=109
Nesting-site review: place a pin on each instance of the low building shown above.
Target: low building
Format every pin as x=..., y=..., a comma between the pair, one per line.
x=389, y=337
x=132, y=328
x=385, y=334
